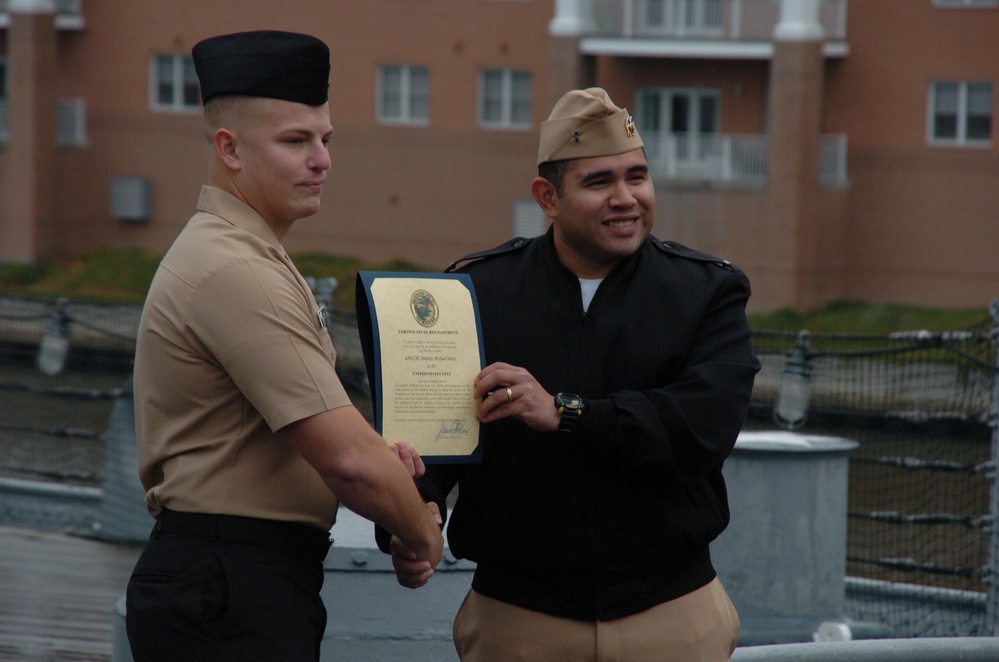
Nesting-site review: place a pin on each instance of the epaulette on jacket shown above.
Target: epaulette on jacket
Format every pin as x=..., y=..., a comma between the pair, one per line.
x=515, y=244
x=673, y=248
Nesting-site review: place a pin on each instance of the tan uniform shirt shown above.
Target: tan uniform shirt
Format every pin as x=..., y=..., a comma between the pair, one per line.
x=230, y=349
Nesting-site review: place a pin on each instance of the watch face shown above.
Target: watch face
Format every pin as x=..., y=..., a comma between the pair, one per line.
x=569, y=401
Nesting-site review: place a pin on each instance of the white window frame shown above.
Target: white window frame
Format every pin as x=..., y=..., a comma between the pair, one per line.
x=961, y=113
x=694, y=96
x=506, y=101
x=690, y=150
x=182, y=79
x=411, y=96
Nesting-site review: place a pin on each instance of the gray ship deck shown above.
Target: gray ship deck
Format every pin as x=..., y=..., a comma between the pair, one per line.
x=57, y=595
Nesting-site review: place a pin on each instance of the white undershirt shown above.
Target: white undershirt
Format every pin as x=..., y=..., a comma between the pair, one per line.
x=588, y=287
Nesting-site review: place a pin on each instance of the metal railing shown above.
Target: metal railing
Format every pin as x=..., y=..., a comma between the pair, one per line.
x=64, y=7
x=732, y=158
x=924, y=408
x=725, y=20
x=897, y=650
x=707, y=157
x=923, y=493
x=68, y=14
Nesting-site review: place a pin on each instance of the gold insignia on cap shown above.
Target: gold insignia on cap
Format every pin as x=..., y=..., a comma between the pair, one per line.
x=629, y=127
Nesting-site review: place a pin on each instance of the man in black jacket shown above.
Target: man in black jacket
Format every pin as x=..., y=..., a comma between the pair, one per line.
x=619, y=374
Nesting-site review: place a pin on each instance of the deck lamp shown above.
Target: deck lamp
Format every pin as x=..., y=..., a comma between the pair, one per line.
x=795, y=394
x=326, y=290
x=55, y=343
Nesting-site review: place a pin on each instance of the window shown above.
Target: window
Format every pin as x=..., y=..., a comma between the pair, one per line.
x=686, y=112
x=505, y=99
x=528, y=219
x=679, y=124
x=960, y=112
x=173, y=82
x=3, y=101
x=71, y=122
x=680, y=129
x=403, y=94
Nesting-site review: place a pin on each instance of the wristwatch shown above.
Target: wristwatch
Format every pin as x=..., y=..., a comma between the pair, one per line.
x=570, y=407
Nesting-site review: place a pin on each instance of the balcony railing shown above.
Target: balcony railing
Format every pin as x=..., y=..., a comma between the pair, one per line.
x=718, y=20
x=709, y=157
x=69, y=14
x=730, y=158
x=62, y=6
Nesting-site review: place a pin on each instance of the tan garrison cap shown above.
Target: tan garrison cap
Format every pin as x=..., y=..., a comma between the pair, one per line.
x=586, y=123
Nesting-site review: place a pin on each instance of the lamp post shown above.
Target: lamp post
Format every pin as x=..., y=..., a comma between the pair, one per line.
x=55, y=343
x=325, y=291
x=795, y=394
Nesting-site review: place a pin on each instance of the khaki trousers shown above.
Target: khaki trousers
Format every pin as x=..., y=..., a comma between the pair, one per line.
x=702, y=626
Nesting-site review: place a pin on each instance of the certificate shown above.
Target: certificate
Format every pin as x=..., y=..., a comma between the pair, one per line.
x=422, y=345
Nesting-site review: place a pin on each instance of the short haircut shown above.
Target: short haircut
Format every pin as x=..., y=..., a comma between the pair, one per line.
x=554, y=172
x=223, y=112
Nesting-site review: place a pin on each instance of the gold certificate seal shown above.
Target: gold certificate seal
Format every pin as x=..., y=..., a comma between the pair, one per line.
x=424, y=308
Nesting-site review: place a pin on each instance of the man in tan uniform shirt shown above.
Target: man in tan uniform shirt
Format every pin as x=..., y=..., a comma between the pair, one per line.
x=247, y=439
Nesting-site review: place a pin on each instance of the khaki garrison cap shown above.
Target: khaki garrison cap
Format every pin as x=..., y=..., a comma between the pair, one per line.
x=586, y=123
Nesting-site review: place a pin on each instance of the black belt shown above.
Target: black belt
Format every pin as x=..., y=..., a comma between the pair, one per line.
x=291, y=537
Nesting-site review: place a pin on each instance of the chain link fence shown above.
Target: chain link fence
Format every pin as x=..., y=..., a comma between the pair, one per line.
x=923, y=407
x=921, y=500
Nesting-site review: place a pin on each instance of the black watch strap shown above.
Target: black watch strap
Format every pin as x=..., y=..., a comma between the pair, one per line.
x=570, y=407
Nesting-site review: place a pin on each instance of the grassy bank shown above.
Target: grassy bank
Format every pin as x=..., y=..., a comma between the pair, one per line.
x=123, y=276
x=857, y=317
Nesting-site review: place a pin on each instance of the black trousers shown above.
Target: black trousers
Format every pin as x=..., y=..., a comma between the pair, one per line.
x=216, y=588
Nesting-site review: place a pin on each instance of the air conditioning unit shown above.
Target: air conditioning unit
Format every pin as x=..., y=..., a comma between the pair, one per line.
x=131, y=199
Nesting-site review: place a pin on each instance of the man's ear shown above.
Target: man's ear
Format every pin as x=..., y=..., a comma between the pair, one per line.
x=225, y=143
x=545, y=195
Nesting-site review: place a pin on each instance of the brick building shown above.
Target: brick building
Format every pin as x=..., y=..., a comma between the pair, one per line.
x=834, y=149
